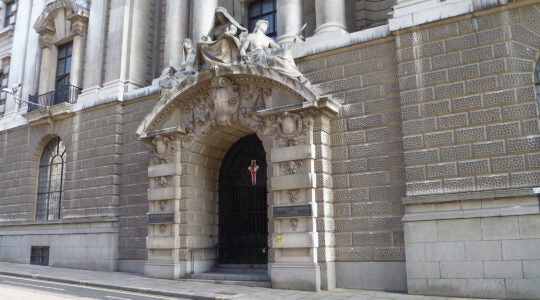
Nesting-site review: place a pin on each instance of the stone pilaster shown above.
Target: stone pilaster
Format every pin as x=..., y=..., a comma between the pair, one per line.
x=289, y=19
x=203, y=14
x=176, y=30
x=48, y=62
x=163, y=240
x=330, y=16
x=78, y=31
x=293, y=183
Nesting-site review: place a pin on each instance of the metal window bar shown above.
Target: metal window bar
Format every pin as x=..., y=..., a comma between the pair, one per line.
x=66, y=93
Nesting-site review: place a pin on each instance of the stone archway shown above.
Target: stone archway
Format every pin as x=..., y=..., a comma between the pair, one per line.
x=195, y=122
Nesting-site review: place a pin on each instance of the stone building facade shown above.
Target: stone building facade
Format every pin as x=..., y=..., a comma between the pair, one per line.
x=404, y=158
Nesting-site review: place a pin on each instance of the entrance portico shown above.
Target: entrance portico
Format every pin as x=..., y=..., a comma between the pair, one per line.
x=193, y=126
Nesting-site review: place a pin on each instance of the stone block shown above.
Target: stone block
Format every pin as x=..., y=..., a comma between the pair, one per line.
x=463, y=72
x=455, y=152
x=459, y=270
x=452, y=185
x=483, y=251
x=441, y=170
x=412, y=173
x=491, y=148
x=459, y=230
x=503, y=269
x=384, y=276
x=490, y=182
x=515, y=79
x=522, y=288
x=421, y=156
x=473, y=167
x=462, y=42
x=415, y=252
x=487, y=288
x=368, y=179
x=448, y=287
x=479, y=85
x=417, y=286
x=508, y=163
x=520, y=111
x=423, y=270
x=432, y=78
x=424, y=187
x=466, y=103
x=439, y=138
x=531, y=269
x=446, y=251
x=471, y=134
x=382, y=253
x=492, y=67
x=478, y=54
x=288, y=182
x=521, y=249
x=420, y=232
x=500, y=228
x=503, y=130
x=292, y=153
x=295, y=240
x=529, y=226
x=372, y=208
x=355, y=254
x=524, y=144
x=352, y=224
x=349, y=166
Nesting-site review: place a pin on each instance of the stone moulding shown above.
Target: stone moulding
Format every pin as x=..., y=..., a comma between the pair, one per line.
x=44, y=23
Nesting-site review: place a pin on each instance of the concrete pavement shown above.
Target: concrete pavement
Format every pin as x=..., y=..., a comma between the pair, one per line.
x=188, y=289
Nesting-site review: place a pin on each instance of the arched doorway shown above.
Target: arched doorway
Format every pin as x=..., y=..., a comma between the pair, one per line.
x=243, y=224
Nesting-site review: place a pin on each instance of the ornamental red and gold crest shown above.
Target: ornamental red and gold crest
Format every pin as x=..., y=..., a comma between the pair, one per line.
x=253, y=171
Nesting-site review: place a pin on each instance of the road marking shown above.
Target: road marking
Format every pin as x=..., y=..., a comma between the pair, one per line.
x=112, y=297
x=33, y=285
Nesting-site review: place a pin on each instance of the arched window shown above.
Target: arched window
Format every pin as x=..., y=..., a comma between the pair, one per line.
x=52, y=168
x=265, y=10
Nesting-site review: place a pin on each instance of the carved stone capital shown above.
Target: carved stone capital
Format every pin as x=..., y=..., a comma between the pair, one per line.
x=46, y=41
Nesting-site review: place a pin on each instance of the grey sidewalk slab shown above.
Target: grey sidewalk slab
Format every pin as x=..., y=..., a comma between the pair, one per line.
x=187, y=289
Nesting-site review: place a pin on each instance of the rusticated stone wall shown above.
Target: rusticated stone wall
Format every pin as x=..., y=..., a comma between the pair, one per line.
x=472, y=143
x=367, y=162
x=470, y=117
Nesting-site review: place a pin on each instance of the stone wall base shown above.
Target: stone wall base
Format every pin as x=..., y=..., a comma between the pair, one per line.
x=296, y=276
x=163, y=270
x=131, y=265
x=379, y=276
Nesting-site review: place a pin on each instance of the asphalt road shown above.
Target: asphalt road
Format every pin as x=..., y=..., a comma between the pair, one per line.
x=15, y=288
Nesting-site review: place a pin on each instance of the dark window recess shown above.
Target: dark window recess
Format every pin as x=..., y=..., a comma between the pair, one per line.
x=39, y=255
x=63, y=65
x=10, y=14
x=265, y=10
x=50, y=180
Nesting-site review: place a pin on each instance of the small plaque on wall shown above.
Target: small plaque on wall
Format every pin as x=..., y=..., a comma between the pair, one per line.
x=159, y=218
x=289, y=211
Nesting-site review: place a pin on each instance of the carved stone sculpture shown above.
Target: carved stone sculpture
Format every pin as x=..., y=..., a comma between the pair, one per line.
x=261, y=50
x=222, y=45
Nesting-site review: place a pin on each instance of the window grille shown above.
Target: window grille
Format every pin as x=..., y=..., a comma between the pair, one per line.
x=266, y=10
x=39, y=255
x=51, y=176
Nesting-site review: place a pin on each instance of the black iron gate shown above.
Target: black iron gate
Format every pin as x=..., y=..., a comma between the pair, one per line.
x=243, y=232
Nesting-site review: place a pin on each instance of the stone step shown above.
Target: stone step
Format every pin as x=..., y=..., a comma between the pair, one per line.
x=232, y=270
x=266, y=284
x=243, y=266
x=230, y=276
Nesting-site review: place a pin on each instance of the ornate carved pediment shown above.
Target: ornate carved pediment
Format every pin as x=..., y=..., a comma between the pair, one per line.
x=227, y=95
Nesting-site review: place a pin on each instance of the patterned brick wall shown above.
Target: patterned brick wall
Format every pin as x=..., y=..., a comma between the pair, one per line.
x=367, y=154
x=470, y=117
